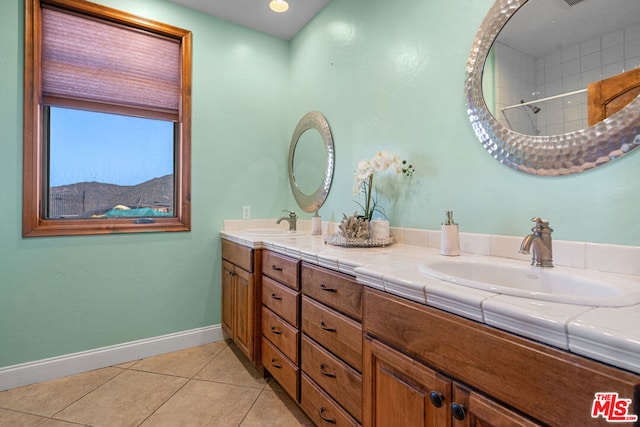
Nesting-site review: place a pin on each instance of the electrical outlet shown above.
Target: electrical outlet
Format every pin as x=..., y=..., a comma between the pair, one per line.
x=246, y=212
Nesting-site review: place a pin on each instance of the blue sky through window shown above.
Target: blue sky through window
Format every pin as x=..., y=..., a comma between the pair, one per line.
x=88, y=146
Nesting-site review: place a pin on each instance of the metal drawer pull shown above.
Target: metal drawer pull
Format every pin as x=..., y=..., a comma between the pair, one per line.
x=276, y=330
x=325, y=288
x=329, y=420
x=275, y=365
x=324, y=327
x=273, y=267
x=276, y=297
x=325, y=373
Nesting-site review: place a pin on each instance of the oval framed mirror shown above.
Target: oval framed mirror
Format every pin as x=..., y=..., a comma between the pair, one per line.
x=559, y=153
x=311, y=161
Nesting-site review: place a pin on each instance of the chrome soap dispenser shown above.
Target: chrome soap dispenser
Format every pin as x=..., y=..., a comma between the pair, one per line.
x=450, y=237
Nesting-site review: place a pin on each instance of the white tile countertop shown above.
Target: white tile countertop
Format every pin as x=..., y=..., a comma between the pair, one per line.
x=607, y=334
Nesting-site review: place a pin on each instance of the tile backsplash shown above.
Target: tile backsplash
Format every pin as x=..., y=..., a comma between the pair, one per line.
x=594, y=256
x=563, y=71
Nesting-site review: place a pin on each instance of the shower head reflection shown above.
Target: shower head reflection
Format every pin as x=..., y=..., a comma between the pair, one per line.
x=534, y=108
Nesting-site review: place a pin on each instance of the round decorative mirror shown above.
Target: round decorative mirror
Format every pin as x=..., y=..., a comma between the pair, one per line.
x=311, y=160
x=538, y=88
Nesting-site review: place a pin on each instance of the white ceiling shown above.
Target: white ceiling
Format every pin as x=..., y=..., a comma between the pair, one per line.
x=256, y=14
x=544, y=26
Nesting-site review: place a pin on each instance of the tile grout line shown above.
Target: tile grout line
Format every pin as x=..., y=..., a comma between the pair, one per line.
x=189, y=379
x=165, y=402
x=65, y=421
x=44, y=418
x=262, y=389
x=251, y=407
x=132, y=367
x=211, y=360
x=53, y=417
x=228, y=347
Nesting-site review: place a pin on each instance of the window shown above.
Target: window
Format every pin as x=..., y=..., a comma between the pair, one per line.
x=107, y=122
x=126, y=170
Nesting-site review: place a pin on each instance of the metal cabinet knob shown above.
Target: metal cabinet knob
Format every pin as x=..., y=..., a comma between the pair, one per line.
x=436, y=398
x=458, y=411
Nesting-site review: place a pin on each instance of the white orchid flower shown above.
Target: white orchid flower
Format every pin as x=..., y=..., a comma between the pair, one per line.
x=363, y=178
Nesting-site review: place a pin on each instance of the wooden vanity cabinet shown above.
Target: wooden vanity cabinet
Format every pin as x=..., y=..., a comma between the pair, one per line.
x=240, y=297
x=401, y=391
x=281, y=320
x=495, y=378
x=352, y=355
x=331, y=347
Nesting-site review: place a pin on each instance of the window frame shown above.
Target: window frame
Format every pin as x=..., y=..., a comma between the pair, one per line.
x=34, y=224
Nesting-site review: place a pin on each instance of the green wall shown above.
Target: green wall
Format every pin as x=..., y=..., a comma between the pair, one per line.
x=385, y=78
x=392, y=78
x=68, y=294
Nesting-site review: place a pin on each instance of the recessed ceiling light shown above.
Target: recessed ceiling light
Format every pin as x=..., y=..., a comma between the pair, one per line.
x=278, y=6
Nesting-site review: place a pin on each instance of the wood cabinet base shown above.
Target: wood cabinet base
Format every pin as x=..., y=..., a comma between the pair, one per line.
x=548, y=384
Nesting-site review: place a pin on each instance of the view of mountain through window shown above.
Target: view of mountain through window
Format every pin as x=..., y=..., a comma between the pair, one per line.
x=107, y=165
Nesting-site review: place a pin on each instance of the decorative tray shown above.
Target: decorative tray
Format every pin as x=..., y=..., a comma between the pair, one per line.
x=340, y=240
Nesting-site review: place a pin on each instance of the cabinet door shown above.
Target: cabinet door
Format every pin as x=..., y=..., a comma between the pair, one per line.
x=399, y=391
x=228, y=298
x=244, y=319
x=471, y=409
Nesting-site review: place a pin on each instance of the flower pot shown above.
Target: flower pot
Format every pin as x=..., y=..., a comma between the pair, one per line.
x=379, y=229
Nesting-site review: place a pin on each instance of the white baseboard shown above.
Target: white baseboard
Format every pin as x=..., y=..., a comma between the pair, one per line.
x=69, y=364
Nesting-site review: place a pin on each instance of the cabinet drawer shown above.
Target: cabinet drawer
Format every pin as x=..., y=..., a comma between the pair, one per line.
x=281, y=334
x=320, y=408
x=242, y=256
x=281, y=300
x=336, y=332
x=281, y=268
x=336, y=290
x=285, y=372
x=339, y=380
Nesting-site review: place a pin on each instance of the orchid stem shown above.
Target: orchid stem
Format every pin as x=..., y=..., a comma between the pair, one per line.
x=368, y=205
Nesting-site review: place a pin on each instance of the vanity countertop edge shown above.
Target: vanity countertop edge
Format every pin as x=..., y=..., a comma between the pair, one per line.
x=606, y=334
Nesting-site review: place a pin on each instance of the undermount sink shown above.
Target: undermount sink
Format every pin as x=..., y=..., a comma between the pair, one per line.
x=273, y=232
x=557, y=284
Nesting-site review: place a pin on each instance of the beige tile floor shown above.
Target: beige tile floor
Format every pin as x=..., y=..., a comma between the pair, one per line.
x=209, y=385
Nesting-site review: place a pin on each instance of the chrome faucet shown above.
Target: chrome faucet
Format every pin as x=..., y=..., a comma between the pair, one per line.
x=292, y=218
x=539, y=244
